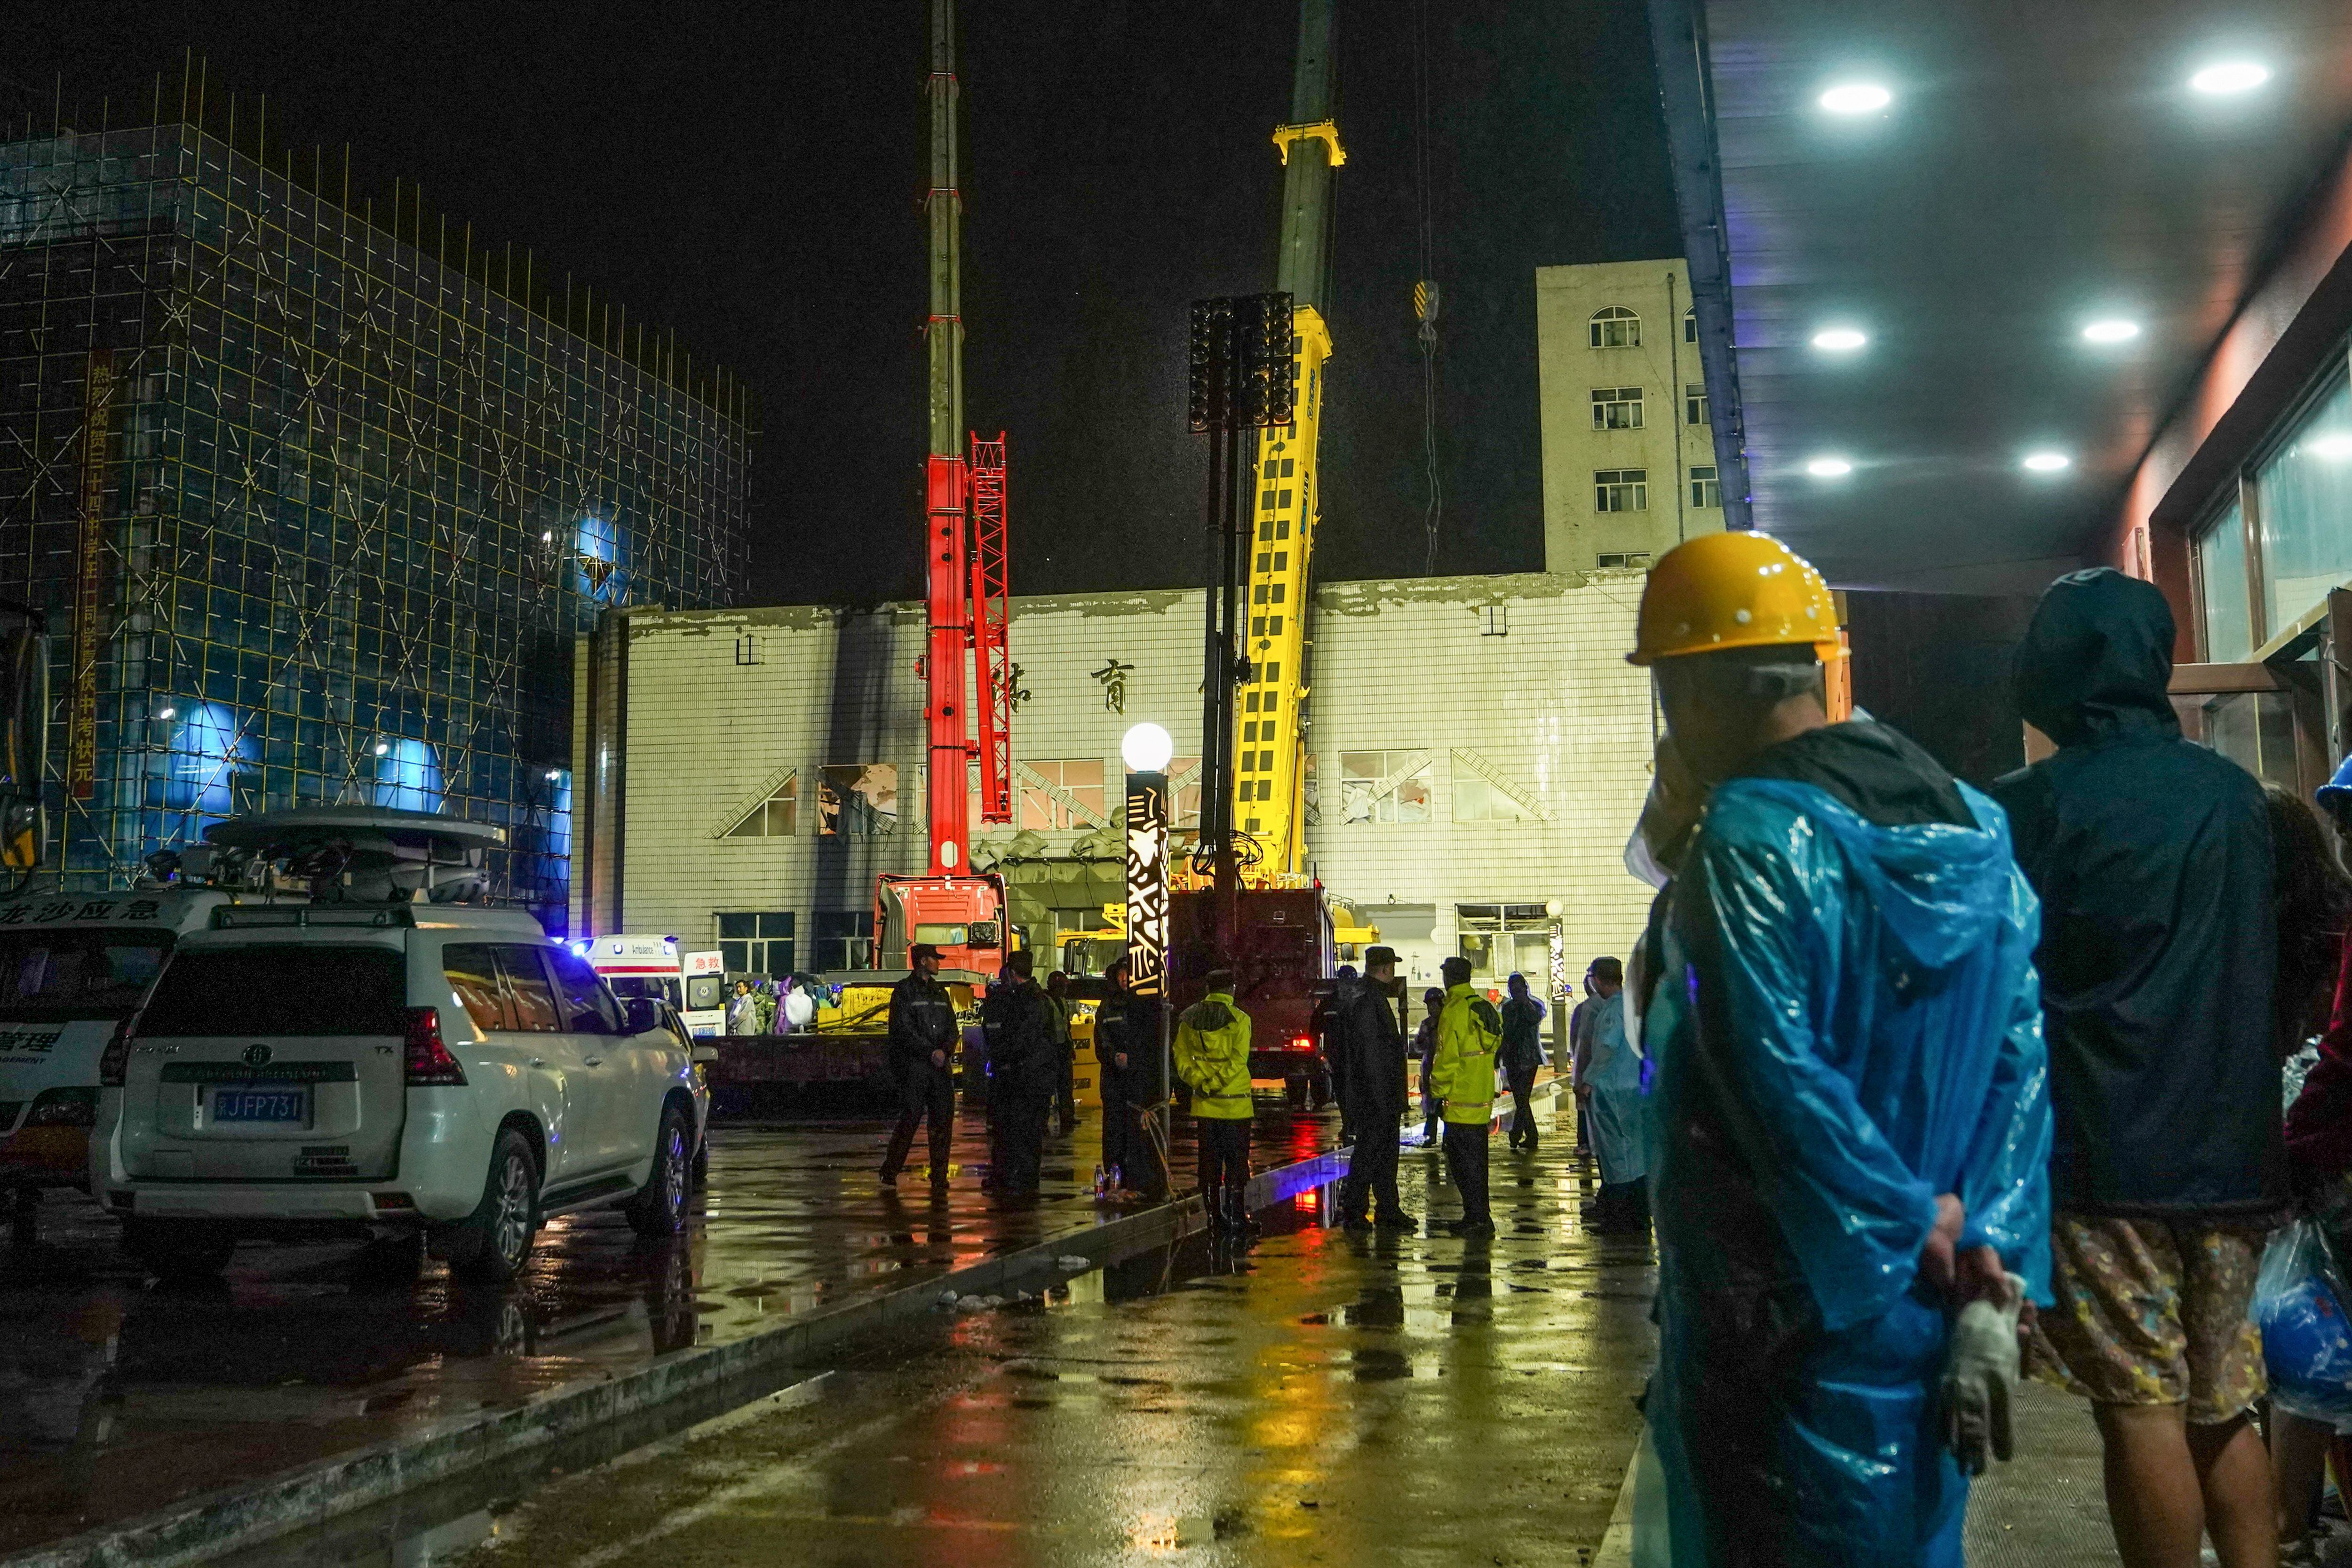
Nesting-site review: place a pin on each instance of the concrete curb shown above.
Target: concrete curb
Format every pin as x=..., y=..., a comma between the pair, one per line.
x=234, y=1517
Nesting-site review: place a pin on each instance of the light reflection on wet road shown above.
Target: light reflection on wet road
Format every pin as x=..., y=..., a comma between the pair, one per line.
x=119, y=1397
x=1322, y=1399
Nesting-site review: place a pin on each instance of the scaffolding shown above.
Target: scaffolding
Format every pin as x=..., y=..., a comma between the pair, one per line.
x=316, y=505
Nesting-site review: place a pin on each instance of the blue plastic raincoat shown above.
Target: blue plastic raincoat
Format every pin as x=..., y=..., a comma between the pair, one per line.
x=1847, y=1024
x=1619, y=1123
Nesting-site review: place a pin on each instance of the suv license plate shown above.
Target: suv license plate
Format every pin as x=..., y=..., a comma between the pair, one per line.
x=280, y=1105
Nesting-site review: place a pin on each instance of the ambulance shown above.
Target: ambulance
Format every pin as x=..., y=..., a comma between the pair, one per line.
x=693, y=983
x=72, y=967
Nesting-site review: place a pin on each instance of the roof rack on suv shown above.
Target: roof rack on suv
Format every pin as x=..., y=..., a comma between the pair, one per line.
x=229, y=916
x=365, y=855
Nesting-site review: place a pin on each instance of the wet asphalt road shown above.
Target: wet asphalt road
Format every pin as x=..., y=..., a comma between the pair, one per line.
x=1321, y=1398
x=118, y=1396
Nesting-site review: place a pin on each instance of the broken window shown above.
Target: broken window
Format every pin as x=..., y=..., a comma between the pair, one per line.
x=1476, y=800
x=1384, y=786
x=858, y=801
x=775, y=817
x=1061, y=794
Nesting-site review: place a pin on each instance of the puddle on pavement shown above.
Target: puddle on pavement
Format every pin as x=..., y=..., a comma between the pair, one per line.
x=442, y=1523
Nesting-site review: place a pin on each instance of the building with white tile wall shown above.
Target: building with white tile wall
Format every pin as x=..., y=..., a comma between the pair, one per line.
x=1629, y=465
x=1480, y=747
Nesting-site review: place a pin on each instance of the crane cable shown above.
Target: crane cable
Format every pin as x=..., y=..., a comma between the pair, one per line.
x=1425, y=291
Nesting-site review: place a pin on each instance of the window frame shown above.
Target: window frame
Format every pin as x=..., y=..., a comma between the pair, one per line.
x=1614, y=326
x=1392, y=801
x=1706, y=488
x=1608, y=400
x=1696, y=412
x=1607, y=481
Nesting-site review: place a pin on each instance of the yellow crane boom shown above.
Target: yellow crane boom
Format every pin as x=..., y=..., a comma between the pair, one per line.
x=1270, y=759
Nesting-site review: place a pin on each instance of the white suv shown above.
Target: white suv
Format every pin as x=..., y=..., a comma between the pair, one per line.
x=365, y=1068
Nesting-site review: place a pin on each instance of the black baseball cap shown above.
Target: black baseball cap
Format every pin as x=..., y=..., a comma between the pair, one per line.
x=1376, y=956
x=921, y=951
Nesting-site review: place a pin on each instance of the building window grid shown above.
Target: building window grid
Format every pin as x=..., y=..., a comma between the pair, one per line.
x=1706, y=489
x=1694, y=410
x=1614, y=327
x=341, y=561
x=1620, y=489
x=1617, y=408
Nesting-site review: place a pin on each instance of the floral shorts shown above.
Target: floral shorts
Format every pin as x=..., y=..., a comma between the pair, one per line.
x=2153, y=1312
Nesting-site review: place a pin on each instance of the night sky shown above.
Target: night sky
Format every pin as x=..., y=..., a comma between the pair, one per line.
x=751, y=175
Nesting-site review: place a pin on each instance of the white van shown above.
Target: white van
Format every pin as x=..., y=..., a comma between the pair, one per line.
x=651, y=967
x=72, y=966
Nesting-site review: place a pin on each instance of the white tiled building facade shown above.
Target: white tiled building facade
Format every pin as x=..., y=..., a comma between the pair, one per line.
x=1479, y=749
x=1629, y=463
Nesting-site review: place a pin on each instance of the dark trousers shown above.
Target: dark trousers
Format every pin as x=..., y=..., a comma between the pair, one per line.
x=1523, y=1116
x=1465, y=1160
x=1224, y=1163
x=1124, y=1153
x=1371, y=1180
x=925, y=1092
x=1066, y=1088
x=1020, y=1136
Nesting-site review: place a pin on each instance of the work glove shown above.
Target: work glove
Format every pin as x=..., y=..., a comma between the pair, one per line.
x=1979, y=1380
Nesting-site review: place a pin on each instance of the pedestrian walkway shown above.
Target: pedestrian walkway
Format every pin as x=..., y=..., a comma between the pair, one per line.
x=118, y=1398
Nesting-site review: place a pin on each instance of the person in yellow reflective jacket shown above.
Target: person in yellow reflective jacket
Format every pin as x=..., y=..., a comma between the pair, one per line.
x=1469, y=1032
x=1212, y=1046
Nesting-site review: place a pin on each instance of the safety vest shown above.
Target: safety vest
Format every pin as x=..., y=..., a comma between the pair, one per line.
x=1463, y=1074
x=1212, y=1045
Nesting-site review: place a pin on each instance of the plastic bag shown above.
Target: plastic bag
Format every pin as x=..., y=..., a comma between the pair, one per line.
x=2307, y=1338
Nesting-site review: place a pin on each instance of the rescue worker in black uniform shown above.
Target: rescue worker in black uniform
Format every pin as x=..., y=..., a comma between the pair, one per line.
x=923, y=1039
x=1331, y=1041
x=1373, y=1043
x=1126, y=1046
x=1022, y=1070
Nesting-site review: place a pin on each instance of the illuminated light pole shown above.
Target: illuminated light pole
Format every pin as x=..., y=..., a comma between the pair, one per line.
x=1145, y=749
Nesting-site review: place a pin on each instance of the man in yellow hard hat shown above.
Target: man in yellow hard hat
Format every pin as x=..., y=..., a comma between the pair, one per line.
x=1846, y=1086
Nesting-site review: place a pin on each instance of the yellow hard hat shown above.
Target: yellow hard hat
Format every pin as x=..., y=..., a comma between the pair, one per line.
x=1733, y=590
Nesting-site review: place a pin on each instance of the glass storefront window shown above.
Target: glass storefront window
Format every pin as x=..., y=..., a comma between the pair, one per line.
x=2305, y=503
x=2221, y=572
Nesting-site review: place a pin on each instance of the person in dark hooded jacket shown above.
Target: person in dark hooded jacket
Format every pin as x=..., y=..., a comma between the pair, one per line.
x=2157, y=956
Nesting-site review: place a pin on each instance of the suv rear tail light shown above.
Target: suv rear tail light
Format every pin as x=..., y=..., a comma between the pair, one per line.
x=1302, y=1043
x=114, y=1062
x=429, y=1061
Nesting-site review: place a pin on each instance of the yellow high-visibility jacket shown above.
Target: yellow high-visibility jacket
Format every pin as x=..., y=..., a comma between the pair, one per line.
x=1212, y=1045
x=1461, y=1074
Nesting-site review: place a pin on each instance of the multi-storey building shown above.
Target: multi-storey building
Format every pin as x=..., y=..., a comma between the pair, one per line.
x=314, y=506
x=1628, y=465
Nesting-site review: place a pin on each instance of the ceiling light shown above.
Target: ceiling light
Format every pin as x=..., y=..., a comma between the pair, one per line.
x=1856, y=98
x=2047, y=462
x=2335, y=447
x=1828, y=468
x=1839, y=339
x=2230, y=76
x=381, y=748
x=2116, y=330
x=554, y=772
x=166, y=714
